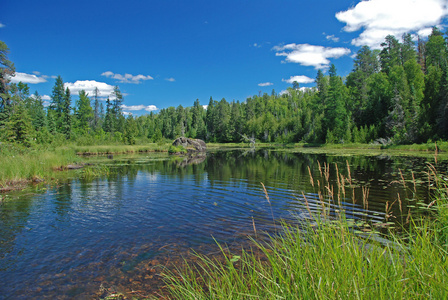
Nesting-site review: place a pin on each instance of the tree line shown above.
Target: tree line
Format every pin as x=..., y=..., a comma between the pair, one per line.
x=398, y=94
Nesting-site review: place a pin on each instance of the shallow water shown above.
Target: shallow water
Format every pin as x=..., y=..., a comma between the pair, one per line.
x=87, y=238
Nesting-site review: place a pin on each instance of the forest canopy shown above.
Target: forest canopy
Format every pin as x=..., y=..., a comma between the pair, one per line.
x=398, y=94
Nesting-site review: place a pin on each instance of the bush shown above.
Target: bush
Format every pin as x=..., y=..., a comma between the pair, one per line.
x=177, y=150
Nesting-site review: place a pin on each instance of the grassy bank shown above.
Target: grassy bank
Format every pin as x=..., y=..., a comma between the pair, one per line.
x=117, y=149
x=328, y=259
x=21, y=166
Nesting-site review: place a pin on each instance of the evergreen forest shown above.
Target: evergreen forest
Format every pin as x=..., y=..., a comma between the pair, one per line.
x=395, y=95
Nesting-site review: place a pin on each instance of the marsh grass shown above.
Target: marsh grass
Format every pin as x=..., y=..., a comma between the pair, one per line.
x=325, y=257
x=117, y=149
x=20, y=166
x=94, y=171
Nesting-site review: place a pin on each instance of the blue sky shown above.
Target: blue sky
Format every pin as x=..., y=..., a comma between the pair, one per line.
x=170, y=52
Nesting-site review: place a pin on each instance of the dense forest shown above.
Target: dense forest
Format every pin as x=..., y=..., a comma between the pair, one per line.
x=398, y=94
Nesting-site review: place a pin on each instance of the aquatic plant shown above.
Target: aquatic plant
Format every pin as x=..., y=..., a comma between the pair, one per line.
x=325, y=258
x=34, y=165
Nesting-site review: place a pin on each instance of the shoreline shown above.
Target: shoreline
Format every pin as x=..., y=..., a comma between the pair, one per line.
x=64, y=158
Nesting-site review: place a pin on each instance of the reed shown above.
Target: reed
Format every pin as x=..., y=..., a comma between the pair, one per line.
x=317, y=261
x=323, y=258
x=21, y=167
x=117, y=149
x=95, y=171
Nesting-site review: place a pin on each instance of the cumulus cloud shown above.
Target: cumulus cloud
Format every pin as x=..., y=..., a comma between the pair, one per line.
x=310, y=55
x=332, y=38
x=89, y=86
x=379, y=18
x=425, y=32
x=265, y=84
x=299, y=79
x=127, y=78
x=139, y=107
x=28, y=78
x=171, y=79
x=205, y=106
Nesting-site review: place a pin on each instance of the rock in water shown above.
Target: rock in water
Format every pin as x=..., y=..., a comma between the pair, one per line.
x=192, y=145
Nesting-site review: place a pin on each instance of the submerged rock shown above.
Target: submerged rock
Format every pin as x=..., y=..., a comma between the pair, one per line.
x=192, y=145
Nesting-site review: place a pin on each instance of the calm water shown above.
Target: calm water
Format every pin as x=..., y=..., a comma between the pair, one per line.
x=85, y=238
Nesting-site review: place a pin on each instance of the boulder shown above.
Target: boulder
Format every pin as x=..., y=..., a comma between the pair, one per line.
x=192, y=145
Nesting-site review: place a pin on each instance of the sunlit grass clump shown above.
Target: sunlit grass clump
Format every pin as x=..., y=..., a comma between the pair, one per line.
x=325, y=258
x=117, y=149
x=19, y=165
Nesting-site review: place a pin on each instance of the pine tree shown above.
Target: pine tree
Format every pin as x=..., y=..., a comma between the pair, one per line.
x=96, y=121
x=130, y=130
x=6, y=71
x=335, y=111
x=18, y=128
x=37, y=112
x=66, y=118
x=84, y=113
x=57, y=103
x=108, y=124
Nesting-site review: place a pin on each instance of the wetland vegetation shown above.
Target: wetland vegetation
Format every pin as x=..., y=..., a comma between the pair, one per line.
x=343, y=196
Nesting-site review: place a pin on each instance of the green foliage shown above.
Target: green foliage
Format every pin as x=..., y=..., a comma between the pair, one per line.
x=328, y=258
x=320, y=261
x=177, y=150
x=84, y=113
x=18, y=128
x=397, y=94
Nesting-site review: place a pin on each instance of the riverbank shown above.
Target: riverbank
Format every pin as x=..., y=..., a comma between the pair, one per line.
x=329, y=258
x=24, y=166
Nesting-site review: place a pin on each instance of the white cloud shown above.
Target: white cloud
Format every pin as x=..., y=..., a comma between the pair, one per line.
x=171, y=79
x=139, y=107
x=27, y=78
x=205, y=106
x=310, y=55
x=299, y=79
x=127, y=78
x=265, y=84
x=2, y=25
x=379, y=18
x=332, y=38
x=89, y=86
x=425, y=32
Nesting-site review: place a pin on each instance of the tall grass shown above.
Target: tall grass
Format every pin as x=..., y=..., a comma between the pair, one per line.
x=324, y=258
x=117, y=149
x=23, y=165
x=19, y=165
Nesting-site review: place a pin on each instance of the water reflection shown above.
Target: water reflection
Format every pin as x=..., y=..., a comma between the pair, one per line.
x=72, y=240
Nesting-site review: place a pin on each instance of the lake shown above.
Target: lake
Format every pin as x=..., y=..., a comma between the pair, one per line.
x=85, y=238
